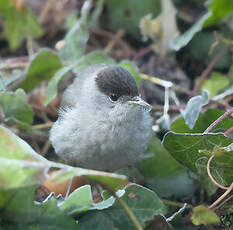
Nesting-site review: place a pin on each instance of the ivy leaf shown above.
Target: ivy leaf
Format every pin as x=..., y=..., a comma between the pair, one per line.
x=186, y=37
x=76, y=39
x=215, y=83
x=52, y=88
x=18, y=23
x=16, y=108
x=144, y=203
x=189, y=148
x=19, y=211
x=217, y=10
x=200, y=46
x=42, y=67
x=193, y=108
x=81, y=201
x=206, y=182
x=18, y=158
x=202, y=123
x=126, y=14
x=203, y=215
x=220, y=9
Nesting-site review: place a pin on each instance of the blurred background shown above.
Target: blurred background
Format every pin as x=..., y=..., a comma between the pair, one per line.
x=175, y=50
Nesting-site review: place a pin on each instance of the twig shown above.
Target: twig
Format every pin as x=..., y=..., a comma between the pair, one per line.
x=230, y=130
x=10, y=66
x=112, y=43
x=211, y=177
x=45, y=147
x=176, y=204
x=121, y=42
x=30, y=46
x=17, y=59
x=142, y=52
x=206, y=72
x=171, y=107
x=42, y=126
x=156, y=80
x=226, y=200
x=48, y=6
x=181, y=90
x=221, y=197
x=215, y=123
x=221, y=103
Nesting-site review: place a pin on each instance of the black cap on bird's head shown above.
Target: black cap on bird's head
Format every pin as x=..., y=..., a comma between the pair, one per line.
x=116, y=80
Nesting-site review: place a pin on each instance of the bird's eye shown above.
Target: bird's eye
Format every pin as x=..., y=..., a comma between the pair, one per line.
x=113, y=97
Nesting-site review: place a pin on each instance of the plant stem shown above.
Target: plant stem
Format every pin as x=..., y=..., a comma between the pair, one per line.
x=206, y=72
x=30, y=46
x=215, y=123
x=176, y=204
x=221, y=197
x=142, y=52
x=42, y=126
x=226, y=200
x=128, y=212
x=211, y=177
x=112, y=43
x=156, y=80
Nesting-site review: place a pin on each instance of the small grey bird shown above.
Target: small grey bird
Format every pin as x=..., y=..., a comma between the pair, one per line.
x=103, y=124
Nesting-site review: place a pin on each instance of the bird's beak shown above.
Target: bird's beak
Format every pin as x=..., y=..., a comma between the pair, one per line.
x=139, y=101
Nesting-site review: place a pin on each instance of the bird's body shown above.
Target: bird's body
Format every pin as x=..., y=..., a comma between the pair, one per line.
x=95, y=132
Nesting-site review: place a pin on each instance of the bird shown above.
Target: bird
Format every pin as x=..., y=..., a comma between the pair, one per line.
x=103, y=123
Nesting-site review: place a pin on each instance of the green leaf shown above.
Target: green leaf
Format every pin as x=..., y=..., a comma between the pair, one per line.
x=15, y=107
x=194, y=107
x=95, y=57
x=42, y=67
x=163, y=173
x=189, y=148
x=71, y=19
x=144, y=204
x=206, y=182
x=18, y=211
x=223, y=159
x=186, y=37
x=75, y=40
x=157, y=161
x=201, y=45
x=18, y=24
x=217, y=10
x=202, y=123
x=81, y=201
x=128, y=65
x=220, y=9
x=126, y=14
x=203, y=215
x=215, y=83
x=18, y=158
x=52, y=88
x=185, y=147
